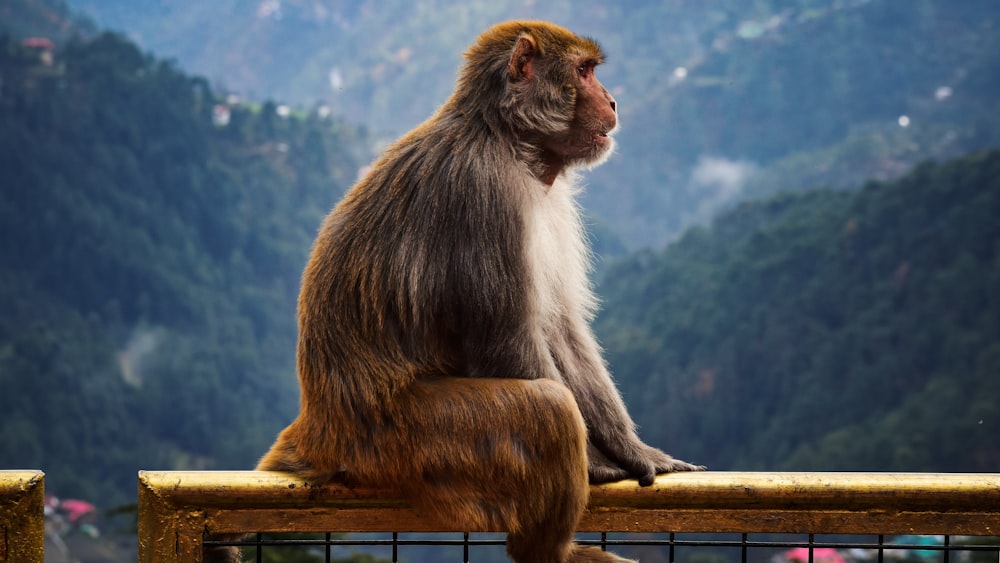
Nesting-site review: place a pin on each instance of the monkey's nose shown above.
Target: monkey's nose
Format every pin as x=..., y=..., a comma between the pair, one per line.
x=614, y=106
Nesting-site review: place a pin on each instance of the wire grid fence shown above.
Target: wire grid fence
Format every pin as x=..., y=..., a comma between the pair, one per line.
x=664, y=548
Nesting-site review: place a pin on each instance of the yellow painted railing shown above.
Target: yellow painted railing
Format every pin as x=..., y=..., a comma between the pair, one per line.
x=176, y=509
x=22, y=516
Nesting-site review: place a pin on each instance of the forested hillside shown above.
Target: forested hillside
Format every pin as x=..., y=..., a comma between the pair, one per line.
x=152, y=237
x=824, y=330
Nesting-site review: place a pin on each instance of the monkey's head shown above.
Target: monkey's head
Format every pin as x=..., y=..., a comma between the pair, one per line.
x=536, y=81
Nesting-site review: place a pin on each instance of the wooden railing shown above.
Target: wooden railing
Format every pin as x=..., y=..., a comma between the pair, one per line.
x=22, y=517
x=178, y=509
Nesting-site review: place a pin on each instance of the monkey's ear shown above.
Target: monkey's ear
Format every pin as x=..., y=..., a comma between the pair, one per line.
x=521, y=65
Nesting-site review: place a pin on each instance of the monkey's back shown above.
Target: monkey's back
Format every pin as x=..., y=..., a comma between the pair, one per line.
x=414, y=269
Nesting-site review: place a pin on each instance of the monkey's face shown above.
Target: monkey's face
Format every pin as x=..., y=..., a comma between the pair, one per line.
x=537, y=80
x=587, y=140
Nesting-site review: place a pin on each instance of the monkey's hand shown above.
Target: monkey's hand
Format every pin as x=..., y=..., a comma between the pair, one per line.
x=600, y=469
x=645, y=463
x=664, y=463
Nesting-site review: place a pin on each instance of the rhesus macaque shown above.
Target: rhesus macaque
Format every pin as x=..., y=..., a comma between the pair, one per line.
x=444, y=340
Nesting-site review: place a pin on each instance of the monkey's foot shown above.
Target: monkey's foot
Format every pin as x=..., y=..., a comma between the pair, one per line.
x=582, y=554
x=222, y=555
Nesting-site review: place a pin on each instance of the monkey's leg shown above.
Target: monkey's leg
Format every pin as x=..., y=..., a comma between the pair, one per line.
x=529, y=473
x=505, y=454
x=510, y=455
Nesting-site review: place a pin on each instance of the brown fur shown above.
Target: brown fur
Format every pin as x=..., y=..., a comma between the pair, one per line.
x=444, y=340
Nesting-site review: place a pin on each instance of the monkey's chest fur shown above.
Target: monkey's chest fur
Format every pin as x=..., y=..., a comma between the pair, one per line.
x=558, y=257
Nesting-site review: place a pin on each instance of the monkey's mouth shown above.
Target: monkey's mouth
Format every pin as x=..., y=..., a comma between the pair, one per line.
x=605, y=133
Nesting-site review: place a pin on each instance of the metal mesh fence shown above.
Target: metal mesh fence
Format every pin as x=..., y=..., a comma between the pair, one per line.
x=654, y=548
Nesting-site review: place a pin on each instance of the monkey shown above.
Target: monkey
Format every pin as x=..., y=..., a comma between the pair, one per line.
x=445, y=346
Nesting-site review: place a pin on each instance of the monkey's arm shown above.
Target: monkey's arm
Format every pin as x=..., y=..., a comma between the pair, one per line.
x=615, y=450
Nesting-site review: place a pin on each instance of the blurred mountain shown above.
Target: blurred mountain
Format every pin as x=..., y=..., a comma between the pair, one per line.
x=720, y=100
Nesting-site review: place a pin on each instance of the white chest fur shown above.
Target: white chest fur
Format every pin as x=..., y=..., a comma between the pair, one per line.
x=558, y=255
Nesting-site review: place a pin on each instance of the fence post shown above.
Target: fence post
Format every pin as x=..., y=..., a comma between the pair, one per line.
x=167, y=534
x=22, y=517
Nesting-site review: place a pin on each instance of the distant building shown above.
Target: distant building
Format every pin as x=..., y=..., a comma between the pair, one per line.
x=44, y=45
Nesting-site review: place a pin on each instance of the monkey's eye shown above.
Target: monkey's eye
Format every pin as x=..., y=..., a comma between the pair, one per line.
x=585, y=69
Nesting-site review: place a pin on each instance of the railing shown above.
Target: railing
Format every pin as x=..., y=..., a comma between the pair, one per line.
x=22, y=516
x=177, y=510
